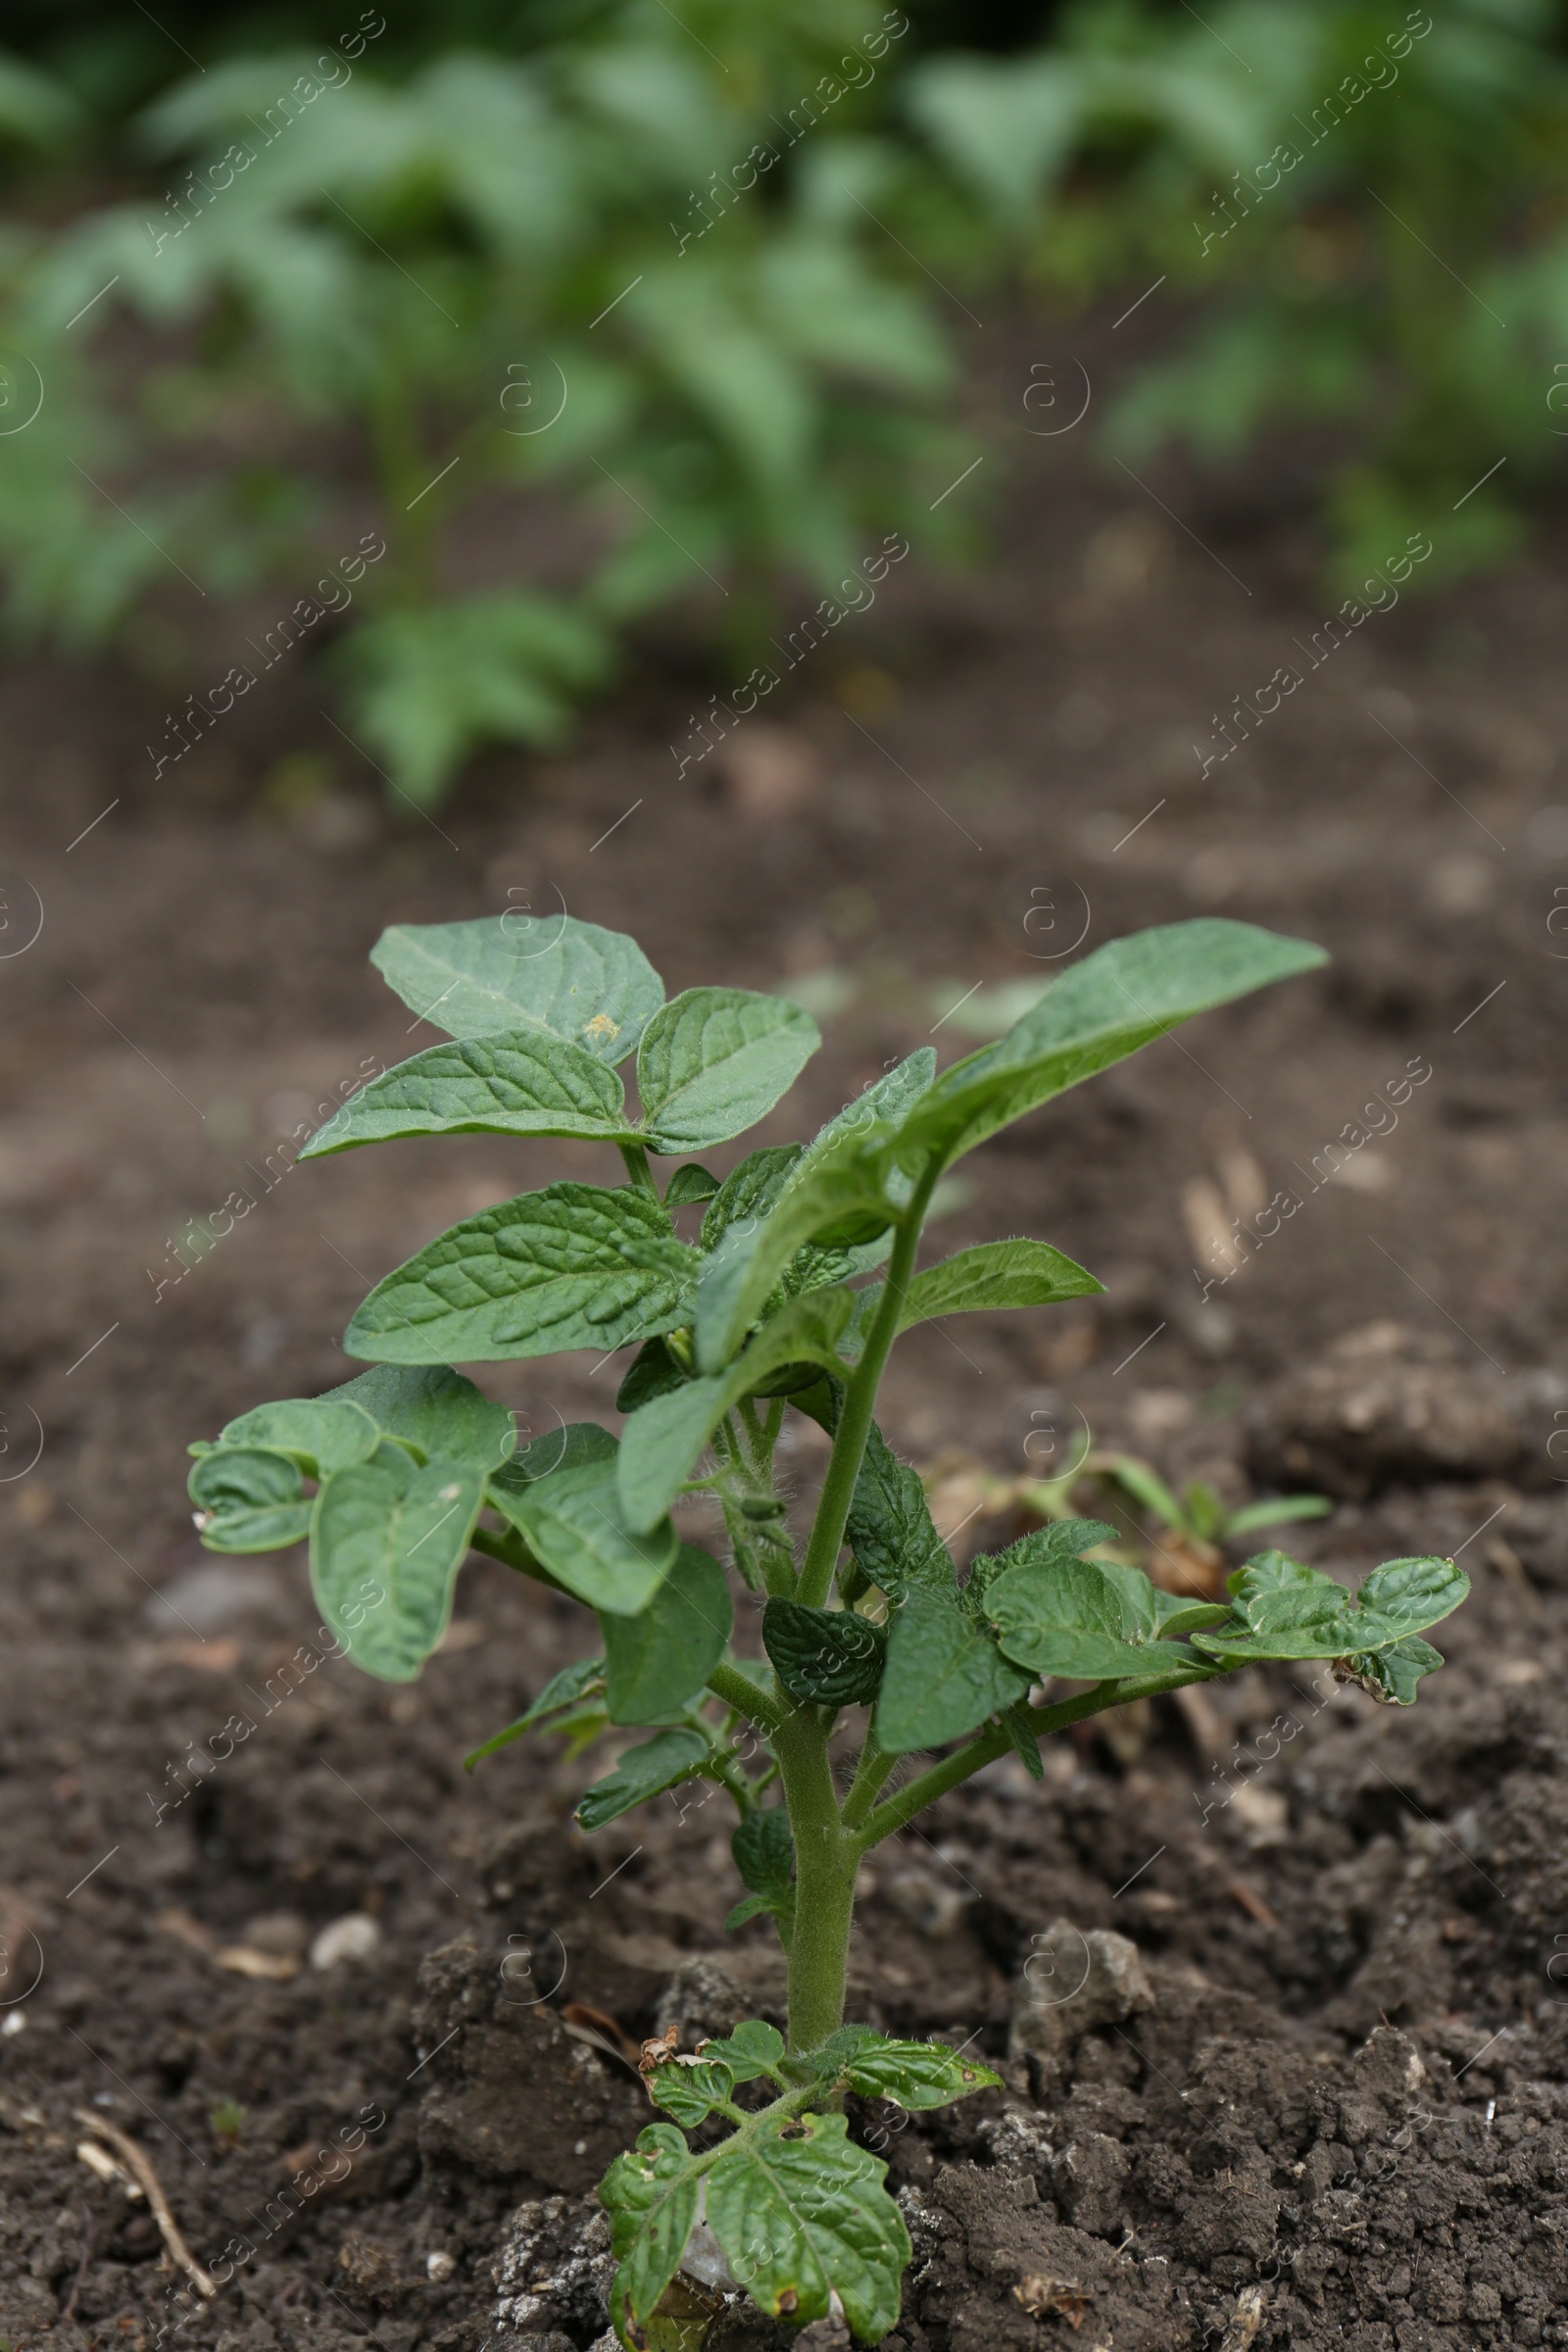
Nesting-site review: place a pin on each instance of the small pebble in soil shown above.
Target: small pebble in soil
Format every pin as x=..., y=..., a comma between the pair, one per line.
x=439, y=2266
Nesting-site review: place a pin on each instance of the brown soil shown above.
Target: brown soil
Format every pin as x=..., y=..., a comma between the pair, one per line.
x=1347, y=2090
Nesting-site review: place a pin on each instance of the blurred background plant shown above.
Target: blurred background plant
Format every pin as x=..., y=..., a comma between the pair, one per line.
x=611, y=321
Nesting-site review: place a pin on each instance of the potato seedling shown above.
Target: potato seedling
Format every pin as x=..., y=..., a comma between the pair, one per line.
x=788, y=1299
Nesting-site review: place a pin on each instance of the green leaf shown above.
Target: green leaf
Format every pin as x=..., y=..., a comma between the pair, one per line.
x=524, y=1084
x=1413, y=1593
x=1057, y=1614
x=661, y=1763
x=890, y=1530
x=691, y=2090
x=1123, y=995
x=1287, y=1611
x=836, y=1194
x=689, y=1184
x=656, y=1371
x=764, y=1847
x=663, y=1437
x=752, y=1906
x=503, y=973
x=890, y=1098
x=430, y=683
x=1025, y=1741
x=1146, y=1487
x=713, y=1061
x=823, y=1657
x=322, y=1435
x=753, y=2050
x=572, y=1446
x=248, y=1501
x=573, y=1521
x=750, y=1190
x=1276, y=1512
x=945, y=1674
x=1392, y=1675
x=802, y=2213
x=571, y=1266
x=433, y=1410
x=387, y=1539
x=663, y=1657
x=915, y=2075
x=996, y=1274
x=1270, y=1572
x=651, y=2196
x=559, y=1695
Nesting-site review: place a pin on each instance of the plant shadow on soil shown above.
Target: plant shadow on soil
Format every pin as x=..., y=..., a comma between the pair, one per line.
x=1340, y=2115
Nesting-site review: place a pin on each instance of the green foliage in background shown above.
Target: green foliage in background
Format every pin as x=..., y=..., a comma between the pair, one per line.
x=624, y=271
x=645, y=322
x=1358, y=206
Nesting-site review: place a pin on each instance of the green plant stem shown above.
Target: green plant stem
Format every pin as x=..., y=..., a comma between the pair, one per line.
x=870, y=1774
x=742, y=1695
x=854, y=1422
x=906, y=1803
x=635, y=1156
x=826, y=1860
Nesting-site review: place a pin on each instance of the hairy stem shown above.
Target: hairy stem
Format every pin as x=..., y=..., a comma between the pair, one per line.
x=740, y=1693
x=635, y=1156
x=854, y=1422
x=826, y=1861
x=870, y=1774
x=984, y=1750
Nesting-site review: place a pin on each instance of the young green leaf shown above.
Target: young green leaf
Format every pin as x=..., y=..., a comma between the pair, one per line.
x=573, y=1521
x=764, y=1847
x=656, y=1371
x=913, y=2075
x=749, y=1191
x=1275, y=1514
x=1307, y=1615
x=945, y=1674
x=689, y=1184
x=801, y=2214
x=1121, y=996
x=661, y=1763
x=996, y=1274
x=651, y=2196
x=572, y=1446
x=659, y=1659
x=500, y=974
x=837, y=1195
x=1392, y=1675
x=528, y=1083
x=713, y=1061
x=823, y=1657
x=560, y=1696
x=321, y=1434
x=890, y=1098
x=754, y=2050
x=1083, y=1619
x=691, y=2093
x=571, y=1266
x=433, y=1410
x=401, y=1532
x=890, y=1530
x=248, y=1501
x=663, y=1437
